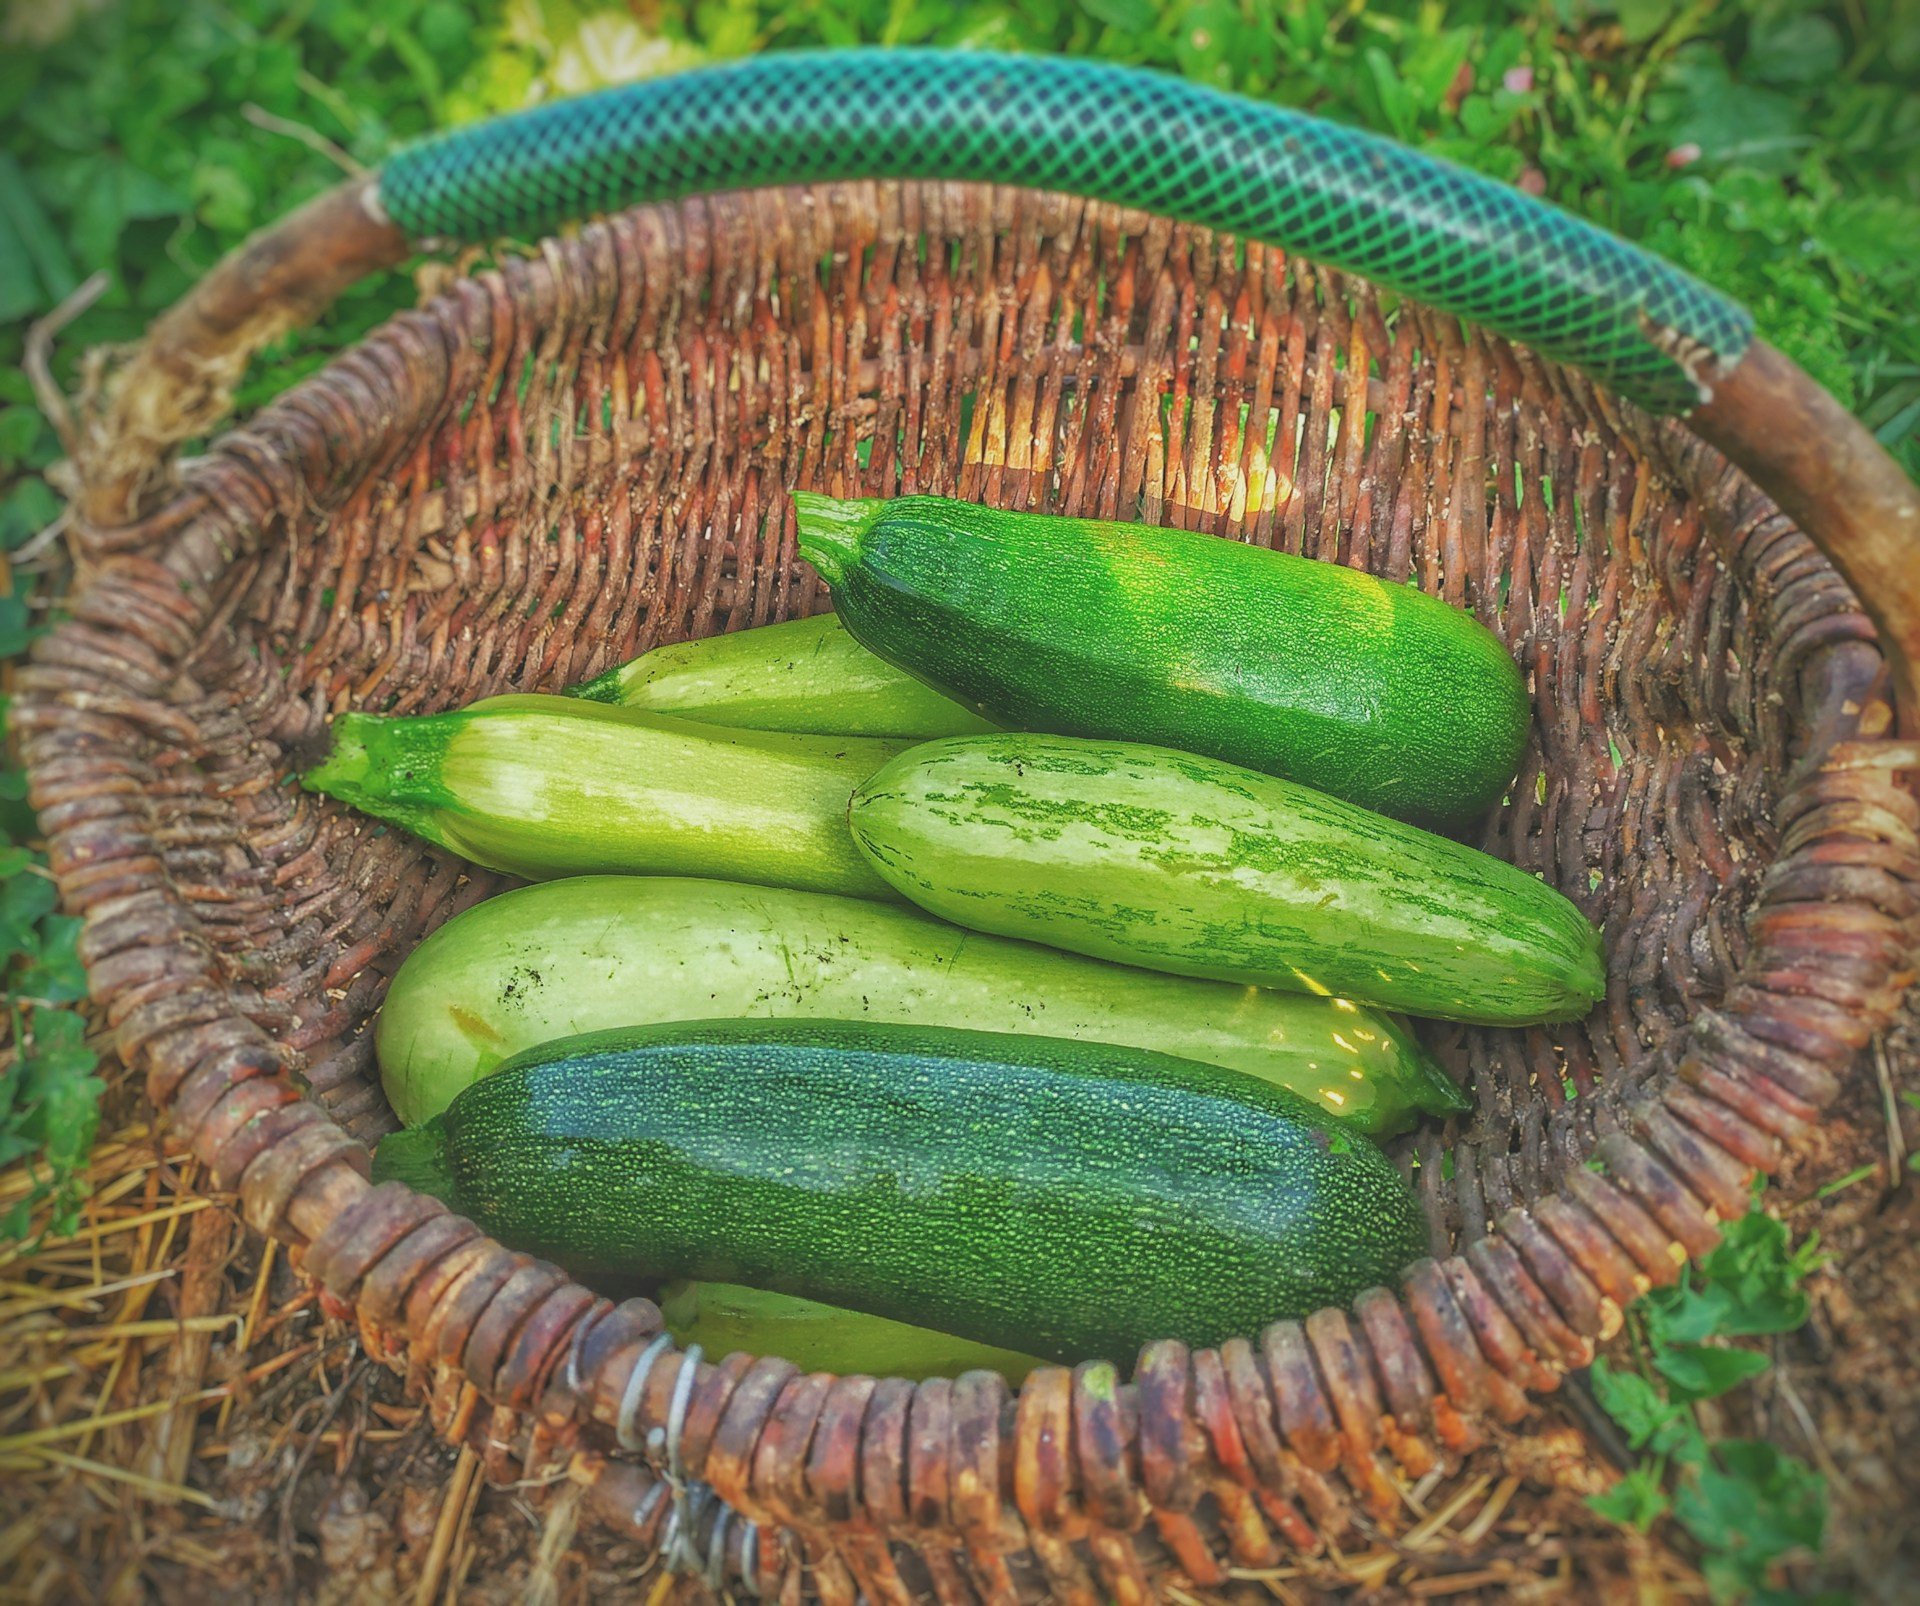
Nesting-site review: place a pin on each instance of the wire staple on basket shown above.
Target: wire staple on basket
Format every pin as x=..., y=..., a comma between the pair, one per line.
x=690, y=1498
x=623, y=1422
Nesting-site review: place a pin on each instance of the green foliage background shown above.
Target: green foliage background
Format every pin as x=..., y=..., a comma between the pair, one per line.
x=1772, y=146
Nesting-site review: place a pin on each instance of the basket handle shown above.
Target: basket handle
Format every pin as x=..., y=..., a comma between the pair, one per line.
x=1353, y=200
x=179, y=381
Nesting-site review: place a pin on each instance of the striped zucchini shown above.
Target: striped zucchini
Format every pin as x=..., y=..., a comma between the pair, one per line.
x=724, y=1318
x=1188, y=865
x=605, y=951
x=553, y=786
x=805, y=675
x=1070, y=1200
x=1369, y=690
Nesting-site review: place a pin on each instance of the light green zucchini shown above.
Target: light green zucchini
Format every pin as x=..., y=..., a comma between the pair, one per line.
x=724, y=1317
x=804, y=675
x=605, y=951
x=553, y=786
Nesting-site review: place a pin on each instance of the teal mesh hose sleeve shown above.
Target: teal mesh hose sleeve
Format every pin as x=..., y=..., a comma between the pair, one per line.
x=1433, y=231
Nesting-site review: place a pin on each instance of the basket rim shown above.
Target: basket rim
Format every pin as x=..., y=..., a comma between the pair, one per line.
x=1414, y=1371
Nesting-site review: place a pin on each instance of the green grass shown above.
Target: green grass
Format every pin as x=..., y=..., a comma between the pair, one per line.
x=1770, y=146
x=1745, y=1503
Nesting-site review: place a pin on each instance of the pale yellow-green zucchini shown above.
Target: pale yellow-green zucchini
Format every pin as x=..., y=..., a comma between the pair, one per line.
x=553, y=786
x=804, y=675
x=600, y=952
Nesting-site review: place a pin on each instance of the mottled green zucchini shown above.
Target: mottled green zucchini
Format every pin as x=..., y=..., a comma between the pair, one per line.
x=1184, y=864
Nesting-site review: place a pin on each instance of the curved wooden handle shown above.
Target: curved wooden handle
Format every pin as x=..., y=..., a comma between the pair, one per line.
x=1841, y=486
x=180, y=380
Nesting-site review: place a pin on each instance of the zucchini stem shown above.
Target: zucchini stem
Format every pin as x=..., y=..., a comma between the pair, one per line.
x=832, y=530
x=386, y=767
x=417, y=1156
x=348, y=763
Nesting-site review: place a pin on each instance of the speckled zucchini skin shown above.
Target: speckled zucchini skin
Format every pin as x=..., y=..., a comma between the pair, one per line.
x=1185, y=864
x=1367, y=689
x=804, y=675
x=597, y=952
x=1070, y=1200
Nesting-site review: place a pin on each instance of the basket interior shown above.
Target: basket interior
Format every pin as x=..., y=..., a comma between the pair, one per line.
x=562, y=461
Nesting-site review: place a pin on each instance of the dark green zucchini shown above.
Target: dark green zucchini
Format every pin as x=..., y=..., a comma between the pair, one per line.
x=1070, y=1200
x=1367, y=689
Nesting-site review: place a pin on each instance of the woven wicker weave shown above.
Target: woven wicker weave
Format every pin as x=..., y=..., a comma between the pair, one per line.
x=553, y=466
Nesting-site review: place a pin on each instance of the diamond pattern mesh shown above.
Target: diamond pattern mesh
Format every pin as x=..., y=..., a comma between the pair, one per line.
x=1349, y=199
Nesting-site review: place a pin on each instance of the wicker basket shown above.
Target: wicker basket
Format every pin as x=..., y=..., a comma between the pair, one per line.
x=557, y=463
